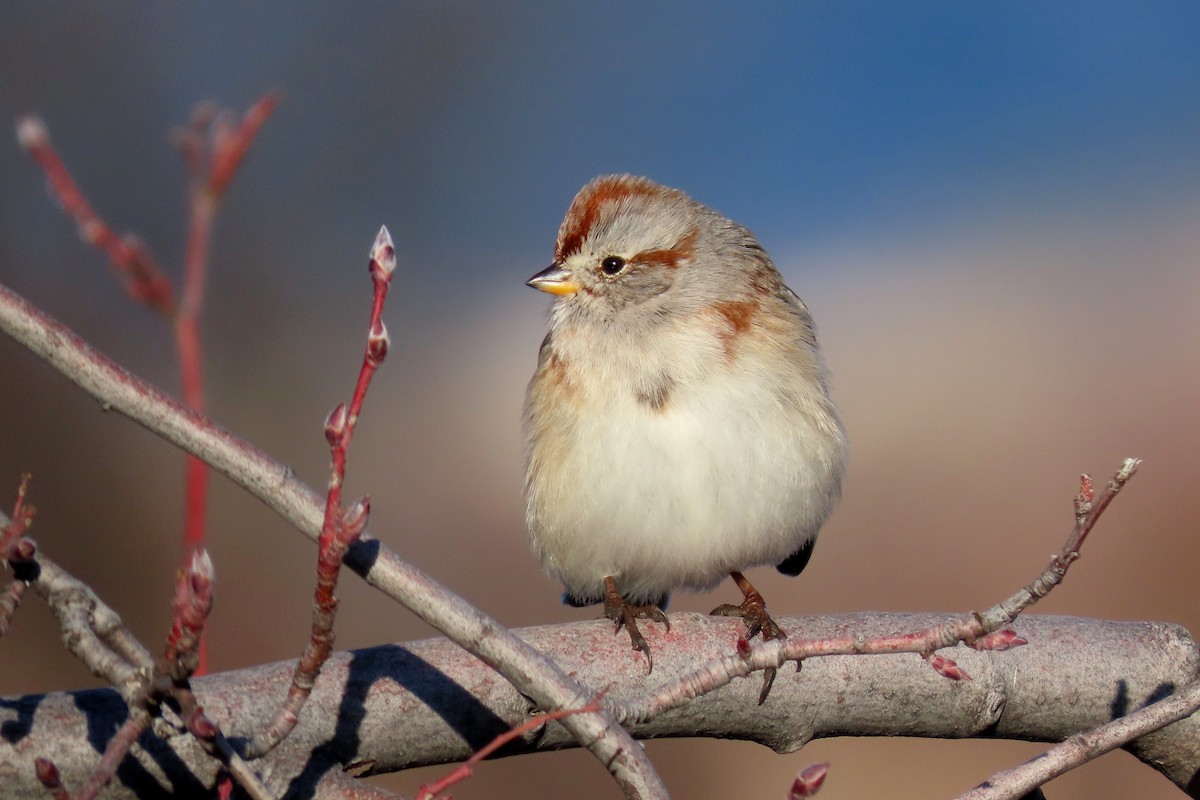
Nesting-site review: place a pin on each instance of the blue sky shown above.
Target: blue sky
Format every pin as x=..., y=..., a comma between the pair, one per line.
x=468, y=126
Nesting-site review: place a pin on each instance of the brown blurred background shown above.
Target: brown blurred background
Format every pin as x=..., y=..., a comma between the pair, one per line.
x=993, y=215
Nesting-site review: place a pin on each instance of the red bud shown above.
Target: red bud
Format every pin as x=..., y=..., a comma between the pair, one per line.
x=809, y=781
x=948, y=668
x=335, y=424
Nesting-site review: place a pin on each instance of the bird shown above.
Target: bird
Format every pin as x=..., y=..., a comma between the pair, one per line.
x=679, y=426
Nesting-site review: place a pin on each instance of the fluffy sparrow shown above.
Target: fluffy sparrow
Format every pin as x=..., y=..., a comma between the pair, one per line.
x=678, y=428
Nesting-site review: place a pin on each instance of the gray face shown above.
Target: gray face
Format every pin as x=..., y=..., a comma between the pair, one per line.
x=636, y=249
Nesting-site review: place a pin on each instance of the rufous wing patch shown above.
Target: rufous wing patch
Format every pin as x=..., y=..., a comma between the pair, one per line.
x=738, y=316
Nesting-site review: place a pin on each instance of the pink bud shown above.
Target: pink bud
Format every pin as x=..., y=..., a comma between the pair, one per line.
x=948, y=668
x=23, y=550
x=383, y=256
x=743, y=647
x=1087, y=490
x=335, y=424
x=355, y=519
x=202, y=566
x=202, y=727
x=999, y=640
x=31, y=132
x=202, y=575
x=378, y=342
x=47, y=773
x=809, y=781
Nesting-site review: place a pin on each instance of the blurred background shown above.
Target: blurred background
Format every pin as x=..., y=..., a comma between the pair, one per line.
x=993, y=212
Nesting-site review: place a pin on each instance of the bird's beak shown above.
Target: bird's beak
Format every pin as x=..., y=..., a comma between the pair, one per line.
x=555, y=279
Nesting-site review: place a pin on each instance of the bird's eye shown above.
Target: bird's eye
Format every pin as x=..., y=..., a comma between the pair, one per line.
x=612, y=265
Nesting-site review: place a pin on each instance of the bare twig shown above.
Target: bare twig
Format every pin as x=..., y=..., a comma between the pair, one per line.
x=464, y=770
x=212, y=151
x=135, y=266
x=528, y=670
x=12, y=532
x=340, y=528
x=173, y=673
x=1081, y=748
x=10, y=600
x=221, y=149
x=980, y=631
x=193, y=600
x=92, y=631
x=115, y=751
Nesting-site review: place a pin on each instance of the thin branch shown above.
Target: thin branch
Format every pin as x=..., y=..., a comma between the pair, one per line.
x=114, y=753
x=215, y=145
x=1012, y=784
x=222, y=152
x=212, y=151
x=528, y=670
x=144, y=282
x=464, y=770
x=341, y=528
x=17, y=551
x=193, y=601
x=92, y=631
x=980, y=631
x=10, y=601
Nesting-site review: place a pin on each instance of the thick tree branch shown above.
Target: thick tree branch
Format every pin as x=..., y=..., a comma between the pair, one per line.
x=1075, y=675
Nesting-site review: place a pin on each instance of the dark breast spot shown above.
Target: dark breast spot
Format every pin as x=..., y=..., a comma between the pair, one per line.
x=656, y=395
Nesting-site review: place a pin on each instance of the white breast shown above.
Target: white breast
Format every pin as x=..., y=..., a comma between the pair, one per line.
x=731, y=472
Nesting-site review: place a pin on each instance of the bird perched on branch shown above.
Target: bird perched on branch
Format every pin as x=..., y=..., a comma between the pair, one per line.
x=679, y=427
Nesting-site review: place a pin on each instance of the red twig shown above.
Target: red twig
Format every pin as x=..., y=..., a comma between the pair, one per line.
x=21, y=518
x=193, y=602
x=212, y=150
x=464, y=770
x=135, y=266
x=17, y=550
x=10, y=600
x=213, y=145
x=230, y=144
x=341, y=528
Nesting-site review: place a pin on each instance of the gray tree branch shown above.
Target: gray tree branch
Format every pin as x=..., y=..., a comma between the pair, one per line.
x=398, y=706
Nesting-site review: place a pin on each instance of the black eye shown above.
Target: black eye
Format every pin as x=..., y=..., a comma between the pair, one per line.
x=612, y=265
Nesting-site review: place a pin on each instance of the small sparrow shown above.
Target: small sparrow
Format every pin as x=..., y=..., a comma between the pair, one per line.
x=678, y=428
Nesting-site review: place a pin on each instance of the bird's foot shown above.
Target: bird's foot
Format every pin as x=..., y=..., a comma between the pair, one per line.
x=624, y=614
x=753, y=611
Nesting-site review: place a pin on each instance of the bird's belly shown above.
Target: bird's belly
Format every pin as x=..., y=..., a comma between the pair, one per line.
x=678, y=497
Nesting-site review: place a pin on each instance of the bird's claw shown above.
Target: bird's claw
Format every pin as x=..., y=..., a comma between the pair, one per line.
x=626, y=615
x=753, y=612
